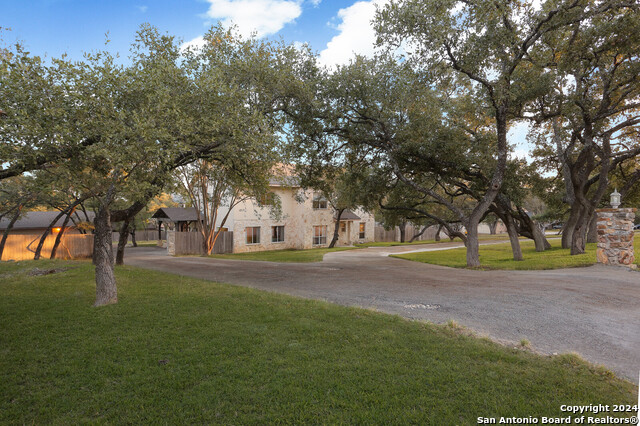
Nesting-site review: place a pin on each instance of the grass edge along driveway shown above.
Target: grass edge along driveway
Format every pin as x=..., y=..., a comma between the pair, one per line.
x=499, y=256
x=178, y=349
x=286, y=255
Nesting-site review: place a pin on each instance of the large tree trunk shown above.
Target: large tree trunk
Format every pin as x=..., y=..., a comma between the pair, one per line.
x=123, y=237
x=579, y=237
x=592, y=231
x=579, y=240
x=513, y=236
x=530, y=229
x=472, y=244
x=336, y=228
x=5, y=235
x=63, y=229
x=539, y=238
x=437, y=237
x=403, y=231
x=570, y=225
x=106, y=290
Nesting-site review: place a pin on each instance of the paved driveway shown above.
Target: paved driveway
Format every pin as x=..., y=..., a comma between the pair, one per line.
x=593, y=311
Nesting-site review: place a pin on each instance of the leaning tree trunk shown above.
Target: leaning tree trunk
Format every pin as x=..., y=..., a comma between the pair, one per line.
x=451, y=235
x=5, y=235
x=123, y=237
x=513, y=236
x=63, y=228
x=47, y=231
x=106, y=290
x=530, y=229
x=418, y=234
x=336, y=229
x=437, y=237
x=539, y=238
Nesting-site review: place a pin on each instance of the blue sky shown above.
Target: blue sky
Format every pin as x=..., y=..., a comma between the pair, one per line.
x=334, y=28
x=54, y=27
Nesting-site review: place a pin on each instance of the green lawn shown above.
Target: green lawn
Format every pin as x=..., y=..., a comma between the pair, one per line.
x=289, y=255
x=147, y=243
x=482, y=237
x=499, y=256
x=181, y=350
x=396, y=243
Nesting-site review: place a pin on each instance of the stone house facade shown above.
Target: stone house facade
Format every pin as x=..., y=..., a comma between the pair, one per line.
x=305, y=221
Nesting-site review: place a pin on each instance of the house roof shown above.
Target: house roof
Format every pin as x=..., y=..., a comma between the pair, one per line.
x=348, y=215
x=176, y=214
x=292, y=181
x=282, y=174
x=40, y=220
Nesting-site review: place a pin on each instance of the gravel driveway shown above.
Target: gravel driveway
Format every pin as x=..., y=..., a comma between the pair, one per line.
x=593, y=311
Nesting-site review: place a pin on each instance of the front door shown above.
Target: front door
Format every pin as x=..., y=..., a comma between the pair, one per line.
x=343, y=234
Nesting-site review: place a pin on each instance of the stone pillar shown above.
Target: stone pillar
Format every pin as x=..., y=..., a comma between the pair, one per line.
x=615, y=237
x=171, y=243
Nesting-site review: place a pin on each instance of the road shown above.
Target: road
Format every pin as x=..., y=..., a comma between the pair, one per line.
x=594, y=311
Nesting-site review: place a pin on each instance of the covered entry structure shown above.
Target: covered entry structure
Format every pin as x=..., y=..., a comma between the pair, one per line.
x=176, y=218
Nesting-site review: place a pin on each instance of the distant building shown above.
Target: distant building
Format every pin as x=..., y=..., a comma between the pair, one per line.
x=35, y=223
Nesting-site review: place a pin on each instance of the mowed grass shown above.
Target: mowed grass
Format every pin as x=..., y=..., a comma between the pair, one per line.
x=444, y=239
x=397, y=243
x=146, y=243
x=181, y=350
x=289, y=255
x=500, y=256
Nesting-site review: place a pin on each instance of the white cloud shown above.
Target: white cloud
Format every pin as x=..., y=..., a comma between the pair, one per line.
x=262, y=16
x=143, y=9
x=356, y=33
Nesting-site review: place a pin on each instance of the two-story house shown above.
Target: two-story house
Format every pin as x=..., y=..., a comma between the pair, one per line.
x=306, y=220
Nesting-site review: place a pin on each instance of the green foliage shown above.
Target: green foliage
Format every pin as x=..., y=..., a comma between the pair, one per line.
x=177, y=349
x=117, y=132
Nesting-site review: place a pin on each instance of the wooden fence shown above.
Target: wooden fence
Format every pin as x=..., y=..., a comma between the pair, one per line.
x=391, y=235
x=191, y=243
x=72, y=246
x=141, y=235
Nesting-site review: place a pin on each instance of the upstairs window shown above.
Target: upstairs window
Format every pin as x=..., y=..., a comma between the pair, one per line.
x=267, y=199
x=253, y=234
x=277, y=234
x=319, y=202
